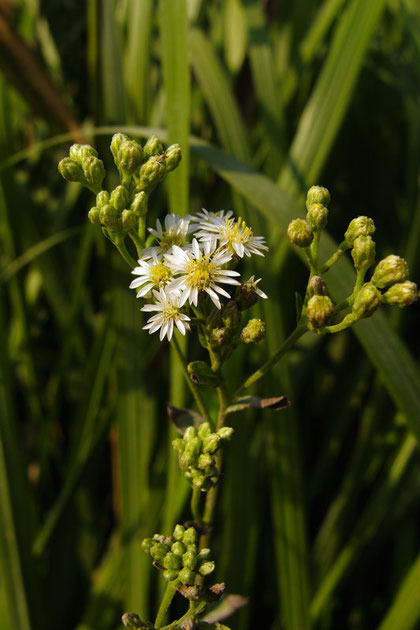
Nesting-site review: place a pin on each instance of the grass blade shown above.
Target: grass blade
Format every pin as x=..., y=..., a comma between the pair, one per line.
x=404, y=613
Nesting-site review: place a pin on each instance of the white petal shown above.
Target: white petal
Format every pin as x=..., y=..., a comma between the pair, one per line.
x=180, y=326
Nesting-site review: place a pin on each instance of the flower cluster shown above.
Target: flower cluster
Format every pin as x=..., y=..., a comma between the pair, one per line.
x=178, y=555
x=181, y=275
x=197, y=454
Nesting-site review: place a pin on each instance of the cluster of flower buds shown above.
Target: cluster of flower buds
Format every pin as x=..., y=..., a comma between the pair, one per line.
x=389, y=282
x=141, y=169
x=197, y=454
x=178, y=555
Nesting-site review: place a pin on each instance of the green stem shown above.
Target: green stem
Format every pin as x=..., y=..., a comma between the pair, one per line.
x=136, y=240
x=330, y=262
x=193, y=388
x=124, y=253
x=142, y=230
x=298, y=332
x=195, y=504
x=165, y=603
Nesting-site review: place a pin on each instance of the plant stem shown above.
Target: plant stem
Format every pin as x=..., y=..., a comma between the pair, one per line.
x=136, y=240
x=195, y=504
x=124, y=253
x=164, y=604
x=298, y=332
x=330, y=262
x=196, y=394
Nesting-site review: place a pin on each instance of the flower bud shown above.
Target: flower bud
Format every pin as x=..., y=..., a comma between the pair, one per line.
x=93, y=215
x=130, y=156
x=132, y=621
x=102, y=198
x=225, y=433
x=390, y=270
x=199, y=479
x=402, y=294
x=82, y=152
x=203, y=555
x=204, y=430
x=231, y=316
x=202, y=374
x=190, y=433
x=367, y=300
x=178, y=445
x=206, y=568
x=189, y=560
x=94, y=171
x=120, y=198
x=211, y=443
x=153, y=147
x=186, y=576
x=246, y=294
x=158, y=551
x=317, y=194
x=173, y=157
x=70, y=170
x=172, y=562
x=254, y=331
x=170, y=575
x=205, y=461
x=190, y=536
x=319, y=310
x=193, y=446
x=317, y=216
x=178, y=548
x=147, y=544
x=116, y=142
x=109, y=217
x=300, y=233
x=317, y=286
x=128, y=220
x=218, y=337
x=361, y=226
x=151, y=173
x=179, y=532
x=363, y=253
x=139, y=204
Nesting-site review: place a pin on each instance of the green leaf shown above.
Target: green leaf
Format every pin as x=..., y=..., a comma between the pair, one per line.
x=404, y=613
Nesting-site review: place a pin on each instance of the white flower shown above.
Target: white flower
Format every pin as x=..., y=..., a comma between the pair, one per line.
x=258, y=291
x=236, y=236
x=152, y=274
x=200, y=270
x=174, y=233
x=169, y=312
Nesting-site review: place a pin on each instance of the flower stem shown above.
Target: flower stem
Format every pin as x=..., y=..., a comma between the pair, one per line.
x=136, y=240
x=330, y=262
x=298, y=332
x=195, y=504
x=124, y=253
x=164, y=604
x=196, y=394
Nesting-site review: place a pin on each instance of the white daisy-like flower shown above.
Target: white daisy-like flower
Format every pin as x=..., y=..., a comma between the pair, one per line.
x=174, y=232
x=200, y=270
x=153, y=274
x=236, y=236
x=168, y=313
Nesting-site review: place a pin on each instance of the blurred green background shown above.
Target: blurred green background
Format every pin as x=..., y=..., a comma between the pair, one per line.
x=319, y=519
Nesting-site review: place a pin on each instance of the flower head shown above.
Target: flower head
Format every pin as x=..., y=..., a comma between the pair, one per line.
x=236, y=236
x=168, y=313
x=153, y=274
x=200, y=269
x=174, y=232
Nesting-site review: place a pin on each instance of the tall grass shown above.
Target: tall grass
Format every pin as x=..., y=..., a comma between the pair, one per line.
x=319, y=512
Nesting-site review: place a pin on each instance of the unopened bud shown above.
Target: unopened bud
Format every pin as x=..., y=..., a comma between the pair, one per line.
x=178, y=548
x=390, y=270
x=178, y=445
x=179, y=532
x=231, y=316
x=402, y=294
x=218, y=337
x=189, y=560
x=205, y=461
x=186, y=576
x=128, y=220
x=120, y=198
x=367, y=300
x=363, y=253
x=172, y=561
x=190, y=536
x=158, y=551
x=139, y=204
x=93, y=215
x=153, y=147
x=254, y=331
x=317, y=194
x=102, y=198
x=94, y=171
x=319, y=310
x=109, y=217
x=116, y=142
x=170, y=575
x=147, y=544
x=204, y=429
x=360, y=226
x=190, y=434
x=206, y=568
x=70, y=170
x=130, y=156
x=317, y=216
x=317, y=286
x=300, y=233
x=151, y=173
x=225, y=433
x=211, y=443
x=173, y=157
x=132, y=621
x=81, y=152
x=247, y=293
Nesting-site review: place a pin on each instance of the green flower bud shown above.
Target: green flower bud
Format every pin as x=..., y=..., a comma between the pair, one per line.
x=94, y=171
x=190, y=536
x=190, y=433
x=366, y=301
x=102, y=198
x=109, y=217
x=151, y=173
x=130, y=156
x=317, y=194
x=189, y=560
x=153, y=147
x=179, y=532
x=116, y=142
x=361, y=226
x=178, y=445
x=300, y=233
x=203, y=555
x=178, y=548
x=205, y=461
x=247, y=294
x=82, y=152
x=70, y=170
x=193, y=445
x=204, y=430
x=147, y=544
x=317, y=216
x=93, y=215
x=254, y=331
x=170, y=575
x=186, y=576
x=225, y=433
x=120, y=198
x=132, y=621
x=363, y=253
x=128, y=220
x=402, y=294
x=317, y=286
x=158, y=551
x=319, y=310
x=139, y=204
x=188, y=458
x=173, y=157
x=218, y=337
x=172, y=562
x=390, y=270
x=231, y=316
x=211, y=443
x=206, y=568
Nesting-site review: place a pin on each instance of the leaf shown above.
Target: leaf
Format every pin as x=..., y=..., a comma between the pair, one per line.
x=226, y=608
x=255, y=402
x=183, y=418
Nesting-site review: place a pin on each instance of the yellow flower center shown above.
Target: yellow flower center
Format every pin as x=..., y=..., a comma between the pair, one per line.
x=200, y=273
x=170, y=312
x=170, y=238
x=236, y=232
x=160, y=274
